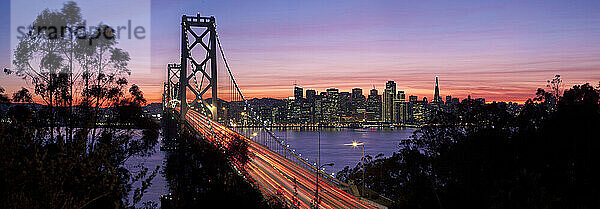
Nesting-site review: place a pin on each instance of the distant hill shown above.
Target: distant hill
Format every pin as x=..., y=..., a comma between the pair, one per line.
x=265, y=102
x=153, y=107
x=5, y=107
x=262, y=102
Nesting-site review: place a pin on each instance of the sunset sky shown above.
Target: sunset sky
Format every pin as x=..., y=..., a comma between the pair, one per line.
x=499, y=50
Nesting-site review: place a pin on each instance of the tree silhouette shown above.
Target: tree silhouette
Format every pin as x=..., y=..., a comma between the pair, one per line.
x=3, y=98
x=200, y=176
x=482, y=157
x=71, y=152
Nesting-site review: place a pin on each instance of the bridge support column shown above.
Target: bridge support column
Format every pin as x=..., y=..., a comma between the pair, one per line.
x=183, y=81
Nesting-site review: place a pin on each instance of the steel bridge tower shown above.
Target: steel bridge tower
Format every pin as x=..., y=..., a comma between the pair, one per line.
x=207, y=24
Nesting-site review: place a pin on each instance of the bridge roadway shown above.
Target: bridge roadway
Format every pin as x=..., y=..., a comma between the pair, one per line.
x=274, y=174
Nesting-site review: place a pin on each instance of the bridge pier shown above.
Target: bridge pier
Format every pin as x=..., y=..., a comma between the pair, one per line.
x=170, y=131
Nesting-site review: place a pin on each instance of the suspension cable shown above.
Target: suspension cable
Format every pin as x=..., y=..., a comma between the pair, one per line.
x=263, y=125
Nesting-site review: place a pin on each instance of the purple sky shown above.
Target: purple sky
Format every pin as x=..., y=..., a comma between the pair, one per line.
x=500, y=50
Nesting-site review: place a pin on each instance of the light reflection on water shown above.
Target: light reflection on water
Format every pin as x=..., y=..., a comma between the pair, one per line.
x=384, y=141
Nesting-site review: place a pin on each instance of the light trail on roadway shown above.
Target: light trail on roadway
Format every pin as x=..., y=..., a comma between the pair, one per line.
x=274, y=174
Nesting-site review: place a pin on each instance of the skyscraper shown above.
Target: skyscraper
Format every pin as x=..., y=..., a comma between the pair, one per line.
x=357, y=94
x=480, y=100
x=357, y=104
x=401, y=96
x=455, y=101
x=373, y=92
x=311, y=98
x=332, y=92
x=373, y=110
x=345, y=107
x=401, y=111
x=310, y=94
x=399, y=108
x=298, y=92
x=420, y=111
x=331, y=106
x=412, y=98
x=448, y=99
x=436, y=95
x=387, y=110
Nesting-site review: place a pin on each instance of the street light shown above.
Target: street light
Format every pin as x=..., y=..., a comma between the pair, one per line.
x=356, y=144
x=317, y=168
x=317, y=199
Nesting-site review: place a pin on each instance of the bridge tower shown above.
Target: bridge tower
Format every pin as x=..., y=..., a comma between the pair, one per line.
x=207, y=25
x=171, y=95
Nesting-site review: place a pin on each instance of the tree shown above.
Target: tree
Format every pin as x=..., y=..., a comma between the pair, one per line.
x=3, y=98
x=200, y=175
x=482, y=157
x=72, y=151
x=22, y=95
x=550, y=97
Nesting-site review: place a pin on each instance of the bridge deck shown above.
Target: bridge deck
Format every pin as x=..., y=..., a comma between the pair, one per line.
x=274, y=174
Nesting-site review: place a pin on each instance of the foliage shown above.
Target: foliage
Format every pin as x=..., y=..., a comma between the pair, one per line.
x=481, y=157
x=200, y=176
x=238, y=151
x=71, y=152
x=83, y=171
x=3, y=98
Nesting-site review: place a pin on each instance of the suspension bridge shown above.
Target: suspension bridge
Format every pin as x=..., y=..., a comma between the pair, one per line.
x=208, y=101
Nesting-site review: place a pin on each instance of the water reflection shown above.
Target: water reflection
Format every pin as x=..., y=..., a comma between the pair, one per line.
x=377, y=141
x=186, y=174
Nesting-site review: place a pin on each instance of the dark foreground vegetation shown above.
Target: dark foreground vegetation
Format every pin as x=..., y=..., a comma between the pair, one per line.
x=200, y=175
x=70, y=149
x=481, y=157
x=45, y=166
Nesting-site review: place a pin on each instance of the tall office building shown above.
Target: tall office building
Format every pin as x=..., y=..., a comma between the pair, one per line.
x=420, y=112
x=448, y=100
x=357, y=101
x=332, y=92
x=399, y=109
x=331, y=106
x=412, y=98
x=373, y=92
x=387, y=110
x=373, y=109
x=310, y=94
x=401, y=96
x=298, y=92
x=345, y=107
x=436, y=95
x=401, y=112
x=357, y=94
x=480, y=100
x=455, y=101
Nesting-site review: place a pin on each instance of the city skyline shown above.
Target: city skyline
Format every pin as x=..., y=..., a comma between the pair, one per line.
x=335, y=108
x=436, y=91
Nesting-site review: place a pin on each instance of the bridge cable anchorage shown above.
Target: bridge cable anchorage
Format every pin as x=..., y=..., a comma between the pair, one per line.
x=263, y=126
